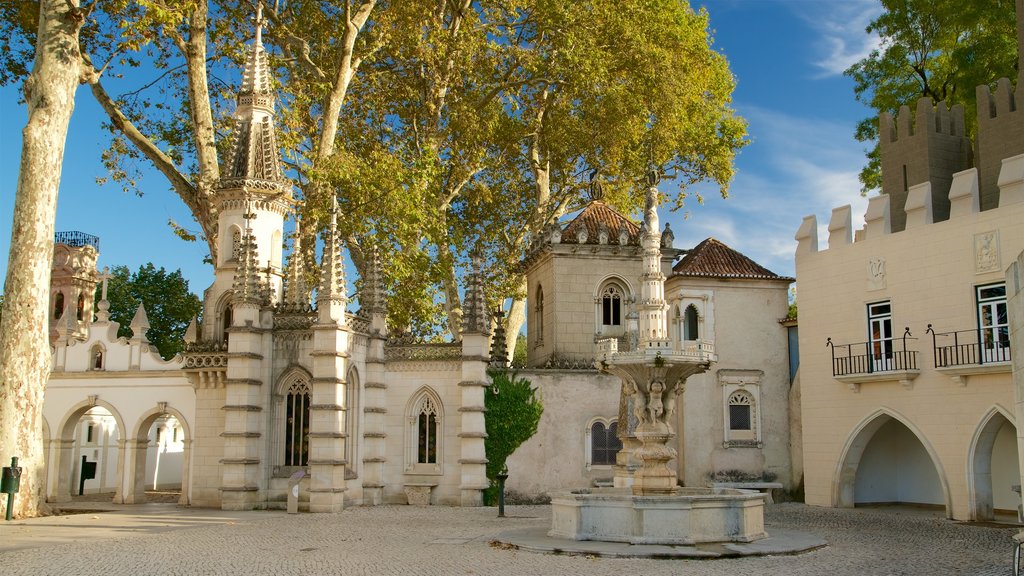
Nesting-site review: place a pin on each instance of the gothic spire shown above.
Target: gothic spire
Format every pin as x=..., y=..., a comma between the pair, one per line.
x=332, y=268
x=247, y=285
x=254, y=153
x=296, y=293
x=373, y=299
x=474, y=317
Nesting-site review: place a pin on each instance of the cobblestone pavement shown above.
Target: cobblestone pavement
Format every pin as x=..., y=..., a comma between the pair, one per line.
x=456, y=541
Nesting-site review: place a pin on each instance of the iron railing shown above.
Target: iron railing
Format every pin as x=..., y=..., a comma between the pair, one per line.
x=970, y=347
x=890, y=355
x=77, y=239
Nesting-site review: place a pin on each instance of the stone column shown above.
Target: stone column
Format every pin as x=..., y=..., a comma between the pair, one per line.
x=241, y=481
x=474, y=384
x=327, y=417
x=1015, y=303
x=374, y=410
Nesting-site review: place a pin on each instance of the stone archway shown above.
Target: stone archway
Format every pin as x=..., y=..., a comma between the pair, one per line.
x=62, y=451
x=887, y=460
x=993, y=466
x=136, y=453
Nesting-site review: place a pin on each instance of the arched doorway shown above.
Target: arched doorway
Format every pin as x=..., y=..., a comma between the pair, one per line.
x=887, y=462
x=158, y=456
x=994, y=467
x=89, y=434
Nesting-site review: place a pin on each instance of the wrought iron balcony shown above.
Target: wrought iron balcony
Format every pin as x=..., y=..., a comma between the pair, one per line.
x=971, y=347
x=77, y=239
x=878, y=356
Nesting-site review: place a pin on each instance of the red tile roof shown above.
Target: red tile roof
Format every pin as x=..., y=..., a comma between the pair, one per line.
x=713, y=259
x=593, y=216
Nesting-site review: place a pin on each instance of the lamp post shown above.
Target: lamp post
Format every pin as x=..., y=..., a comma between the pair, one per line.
x=502, y=476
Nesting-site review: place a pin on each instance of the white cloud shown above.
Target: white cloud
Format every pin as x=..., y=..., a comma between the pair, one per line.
x=795, y=167
x=841, y=28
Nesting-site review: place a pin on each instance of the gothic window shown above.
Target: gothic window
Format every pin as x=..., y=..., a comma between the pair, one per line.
x=604, y=443
x=296, y=429
x=611, y=306
x=425, y=446
x=538, y=314
x=690, y=326
x=58, y=305
x=226, y=320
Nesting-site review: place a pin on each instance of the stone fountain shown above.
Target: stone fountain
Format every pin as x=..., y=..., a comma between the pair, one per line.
x=647, y=506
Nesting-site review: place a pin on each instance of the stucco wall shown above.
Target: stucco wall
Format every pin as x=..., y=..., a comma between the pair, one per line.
x=930, y=275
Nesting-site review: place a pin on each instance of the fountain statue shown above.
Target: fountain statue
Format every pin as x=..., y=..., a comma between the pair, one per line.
x=647, y=506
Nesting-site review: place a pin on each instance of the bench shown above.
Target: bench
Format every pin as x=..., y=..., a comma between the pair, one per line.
x=765, y=487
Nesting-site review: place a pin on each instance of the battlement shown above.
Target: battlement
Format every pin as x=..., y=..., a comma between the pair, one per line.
x=927, y=119
x=929, y=145
x=1000, y=133
x=962, y=199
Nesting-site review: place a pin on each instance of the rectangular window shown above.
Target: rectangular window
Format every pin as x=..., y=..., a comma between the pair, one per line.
x=880, y=331
x=993, y=323
x=739, y=417
x=88, y=433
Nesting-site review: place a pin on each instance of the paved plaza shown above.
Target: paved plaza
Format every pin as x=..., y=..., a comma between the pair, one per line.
x=405, y=540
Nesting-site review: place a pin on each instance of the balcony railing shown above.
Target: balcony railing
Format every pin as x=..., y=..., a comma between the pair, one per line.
x=970, y=347
x=871, y=357
x=77, y=239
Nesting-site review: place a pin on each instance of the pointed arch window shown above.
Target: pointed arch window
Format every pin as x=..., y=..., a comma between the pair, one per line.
x=296, y=429
x=425, y=451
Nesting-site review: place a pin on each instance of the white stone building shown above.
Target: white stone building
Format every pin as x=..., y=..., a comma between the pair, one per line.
x=273, y=383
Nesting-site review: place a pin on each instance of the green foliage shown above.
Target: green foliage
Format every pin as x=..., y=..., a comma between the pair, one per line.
x=792, y=313
x=940, y=49
x=169, y=304
x=519, y=354
x=513, y=413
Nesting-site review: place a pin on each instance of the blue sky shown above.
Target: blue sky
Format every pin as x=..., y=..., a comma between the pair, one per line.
x=788, y=57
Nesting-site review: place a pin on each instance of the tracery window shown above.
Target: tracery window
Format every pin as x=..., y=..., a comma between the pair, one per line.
x=604, y=443
x=611, y=305
x=425, y=450
x=236, y=243
x=296, y=429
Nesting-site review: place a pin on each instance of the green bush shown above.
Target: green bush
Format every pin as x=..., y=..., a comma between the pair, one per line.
x=513, y=413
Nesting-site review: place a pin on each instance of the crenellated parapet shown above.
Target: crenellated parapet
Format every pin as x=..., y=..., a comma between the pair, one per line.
x=962, y=199
x=928, y=145
x=1000, y=134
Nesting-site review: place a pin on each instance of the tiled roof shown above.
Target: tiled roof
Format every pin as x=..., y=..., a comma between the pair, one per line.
x=592, y=217
x=713, y=259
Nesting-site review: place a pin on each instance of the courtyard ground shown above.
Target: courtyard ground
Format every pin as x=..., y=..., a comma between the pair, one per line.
x=161, y=538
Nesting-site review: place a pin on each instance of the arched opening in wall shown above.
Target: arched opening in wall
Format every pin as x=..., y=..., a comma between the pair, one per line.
x=297, y=399
x=887, y=463
x=995, y=469
x=158, y=455
x=603, y=443
x=353, y=424
x=58, y=305
x=690, y=323
x=80, y=307
x=97, y=357
x=88, y=454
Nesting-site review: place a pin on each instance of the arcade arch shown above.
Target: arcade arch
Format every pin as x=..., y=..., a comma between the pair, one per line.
x=993, y=467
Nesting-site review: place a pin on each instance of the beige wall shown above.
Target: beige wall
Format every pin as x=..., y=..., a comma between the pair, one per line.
x=930, y=275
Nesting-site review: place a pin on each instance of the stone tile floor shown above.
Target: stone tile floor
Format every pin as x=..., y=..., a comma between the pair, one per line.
x=164, y=539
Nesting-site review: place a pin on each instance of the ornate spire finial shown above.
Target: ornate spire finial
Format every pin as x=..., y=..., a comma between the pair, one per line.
x=247, y=285
x=259, y=23
x=332, y=272
x=474, y=318
x=296, y=294
x=373, y=299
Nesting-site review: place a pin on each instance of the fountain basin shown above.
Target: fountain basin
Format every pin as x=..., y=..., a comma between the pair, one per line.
x=691, y=516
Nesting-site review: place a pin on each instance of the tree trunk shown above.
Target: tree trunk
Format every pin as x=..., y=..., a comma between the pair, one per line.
x=515, y=319
x=24, y=343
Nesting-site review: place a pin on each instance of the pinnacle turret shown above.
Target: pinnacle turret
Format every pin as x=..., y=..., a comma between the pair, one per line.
x=475, y=317
x=254, y=158
x=247, y=285
x=296, y=293
x=332, y=267
x=373, y=299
